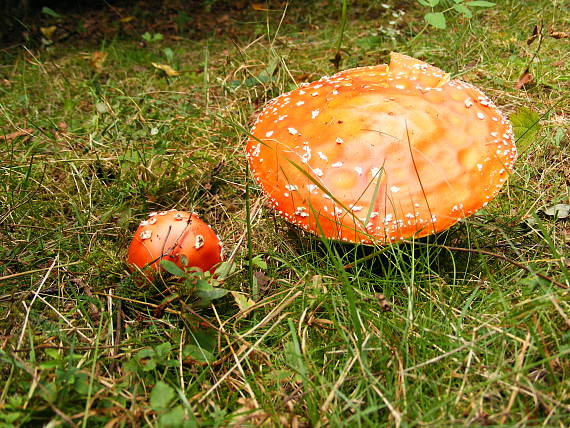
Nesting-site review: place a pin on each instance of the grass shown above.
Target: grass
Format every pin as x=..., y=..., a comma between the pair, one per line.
x=420, y=334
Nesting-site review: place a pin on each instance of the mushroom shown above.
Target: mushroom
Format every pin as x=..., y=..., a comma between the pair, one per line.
x=381, y=154
x=178, y=236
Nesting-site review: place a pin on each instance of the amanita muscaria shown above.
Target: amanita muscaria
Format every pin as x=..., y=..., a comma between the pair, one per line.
x=178, y=236
x=381, y=154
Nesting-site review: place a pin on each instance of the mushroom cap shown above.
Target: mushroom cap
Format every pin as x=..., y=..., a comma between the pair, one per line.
x=381, y=154
x=172, y=235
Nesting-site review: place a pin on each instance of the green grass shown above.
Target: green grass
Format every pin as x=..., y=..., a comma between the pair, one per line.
x=420, y=334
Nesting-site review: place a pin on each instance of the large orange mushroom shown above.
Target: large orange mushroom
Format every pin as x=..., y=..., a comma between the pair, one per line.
x=178, y=236
x=381, y=154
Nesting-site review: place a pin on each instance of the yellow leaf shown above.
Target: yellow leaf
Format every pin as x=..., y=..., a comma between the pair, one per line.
x=126, y=19
x=170, y=72
x=242, y=301
x=48, y=31
x=258, y=6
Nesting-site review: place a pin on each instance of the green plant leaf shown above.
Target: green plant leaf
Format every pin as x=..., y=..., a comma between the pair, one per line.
x=172, y=268
x=163, y=350
x=480, y=3
x=206, y=296
x=436, y=19
x=526, y=124
x=461, y=8
x=429, y=3
x=558, y=211
x=50, y=12
x=259, y=262
x=198, y=354
x=173, y=418
x=161, y=396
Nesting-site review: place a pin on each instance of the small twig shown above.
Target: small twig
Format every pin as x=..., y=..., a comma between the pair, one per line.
x=29, y=272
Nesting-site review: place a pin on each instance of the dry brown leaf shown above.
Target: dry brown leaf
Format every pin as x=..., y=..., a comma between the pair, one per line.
x=525, y=79
x=560, y=34
x=13, y=135
x=97, y=59
x=126, y=19
x=259, y=6
x=168, y=70
x=533, y=36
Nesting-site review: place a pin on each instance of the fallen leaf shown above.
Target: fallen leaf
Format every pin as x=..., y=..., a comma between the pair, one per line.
x=14, y=135
x=48, y=31
x=560, y=34
x=558, y=211
x=168, y=70
x=126, y=19
x=525, y=79
x=243, y=302
x=533, y=36
x=258, y=6
x=526, y=124
x=97, y=60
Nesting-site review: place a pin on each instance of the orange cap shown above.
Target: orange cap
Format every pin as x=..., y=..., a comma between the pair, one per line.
x=380, y=154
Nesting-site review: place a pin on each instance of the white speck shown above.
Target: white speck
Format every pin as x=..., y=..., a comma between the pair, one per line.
x=374, y=172
x=178, y=216
x=338, y=210
x=400, y=87
x=322, y=156
x=199, y=242
x=356, y=208
x=292, y=131
x=374, y=214
x=163, y=213
x=468, y=102
x=291, y=187
x=314, y=94
x=314, y=113
x=494, y=119
x=256, y=150
x=311, y=187
x=480, y=115
x=326, y=196
x=143, y=223
x=300, y=103
x=317, y=86
x=152, y=214
x=388, y=218
x=269, y=134
x=337, y=165
x=494, y=134
x=334, y=92
x=145, y=234
x=280, y=118
x=394, y=189
x=339, y=140
x=318, y=172
x=286, y=194
x=358, y=170
x=433, y=218
x=479, y=167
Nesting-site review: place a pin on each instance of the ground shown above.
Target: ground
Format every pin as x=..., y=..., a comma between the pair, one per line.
x=109, y=113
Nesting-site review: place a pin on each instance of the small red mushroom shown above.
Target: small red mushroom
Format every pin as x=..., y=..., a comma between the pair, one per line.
x=381, y=154
x=178, y=236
